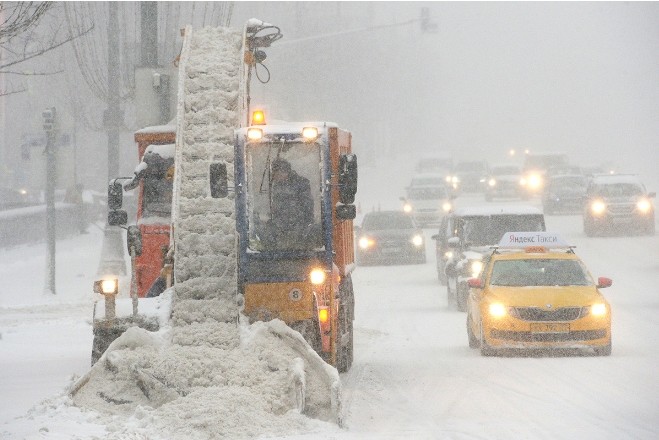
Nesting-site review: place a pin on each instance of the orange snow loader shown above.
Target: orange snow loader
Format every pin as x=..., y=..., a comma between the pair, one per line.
x=295, y=185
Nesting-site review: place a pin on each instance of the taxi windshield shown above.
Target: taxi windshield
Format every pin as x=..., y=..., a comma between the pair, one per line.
x=539, y=272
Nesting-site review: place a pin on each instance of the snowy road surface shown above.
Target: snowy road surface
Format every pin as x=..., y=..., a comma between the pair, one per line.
x=413, y=376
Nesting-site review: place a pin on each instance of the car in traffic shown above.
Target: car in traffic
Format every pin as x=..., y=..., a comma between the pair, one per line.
x=618, y=203
x=390, y=237
x=427, y=199
x=469, y=176
x=467, y=234
x=535, y=293
x=536, y=168
x=504, y=181
x=564, y=193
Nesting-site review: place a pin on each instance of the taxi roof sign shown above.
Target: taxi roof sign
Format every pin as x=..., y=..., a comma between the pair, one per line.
x=521, y=240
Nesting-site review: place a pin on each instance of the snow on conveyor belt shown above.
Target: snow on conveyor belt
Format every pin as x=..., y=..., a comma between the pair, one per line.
x=206, y=374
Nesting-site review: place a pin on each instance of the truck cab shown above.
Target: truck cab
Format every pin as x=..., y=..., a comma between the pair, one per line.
x=295, y=265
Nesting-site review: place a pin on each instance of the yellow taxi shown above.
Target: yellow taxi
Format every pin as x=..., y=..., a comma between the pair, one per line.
x=534, y=292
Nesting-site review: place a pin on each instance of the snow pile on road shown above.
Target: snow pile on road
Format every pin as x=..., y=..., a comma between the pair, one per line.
x=213, y=389
x=208, y=373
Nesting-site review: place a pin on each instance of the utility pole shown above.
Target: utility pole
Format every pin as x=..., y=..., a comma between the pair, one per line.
x=50, y=126
x=112, y=255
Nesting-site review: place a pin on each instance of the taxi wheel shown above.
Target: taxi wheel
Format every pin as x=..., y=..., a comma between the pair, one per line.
x=461, y=293
x=486, y=350
x=450, y=297
x=473, y=341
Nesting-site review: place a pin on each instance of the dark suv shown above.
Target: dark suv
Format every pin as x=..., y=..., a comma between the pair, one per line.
x=618, y=202
x=467, y=234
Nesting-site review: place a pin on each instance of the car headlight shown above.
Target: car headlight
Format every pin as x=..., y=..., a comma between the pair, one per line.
x=407, y=207
x=317, y=276
x=455, y=179
x=598, y=309
x=534, y=181
x=644, y=206
x=522, y=181
x=492, y=182
x=598, y=207
x=366, y=242
x=475, y=267
x=497, y=310
x=417, y=240
x=447, y=206
x=448, y=255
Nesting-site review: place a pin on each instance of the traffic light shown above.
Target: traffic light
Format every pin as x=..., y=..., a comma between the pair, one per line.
x=49, y=119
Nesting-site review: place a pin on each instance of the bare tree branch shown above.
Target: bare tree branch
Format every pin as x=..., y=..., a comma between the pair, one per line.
x=20, y=16
x=10, y=72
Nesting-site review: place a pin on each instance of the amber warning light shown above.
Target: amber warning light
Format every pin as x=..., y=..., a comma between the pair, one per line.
x=258, y=117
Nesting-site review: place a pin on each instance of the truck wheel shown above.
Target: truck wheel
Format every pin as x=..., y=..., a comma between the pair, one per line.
x=441, y=276
x=103, y=337
x=588, y=227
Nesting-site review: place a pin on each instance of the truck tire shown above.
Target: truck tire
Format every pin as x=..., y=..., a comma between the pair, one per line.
x=103, y=337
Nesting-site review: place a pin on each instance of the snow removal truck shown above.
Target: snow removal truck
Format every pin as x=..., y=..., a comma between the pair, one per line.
x=293, y=249
x=295, y=186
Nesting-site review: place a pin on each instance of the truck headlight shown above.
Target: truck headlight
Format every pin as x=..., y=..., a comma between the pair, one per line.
x=644, y=206
x=598, y=207
x=417, y=240
x=492, y=182
x=407, y=207
x=475, y=267
x=317, y=276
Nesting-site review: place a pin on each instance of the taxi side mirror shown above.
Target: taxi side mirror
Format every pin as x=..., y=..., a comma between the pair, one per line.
x=475, y=283
x=603, y=282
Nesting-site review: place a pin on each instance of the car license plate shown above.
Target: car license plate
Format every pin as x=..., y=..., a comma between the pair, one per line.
x=550, y=327
x=389, y=250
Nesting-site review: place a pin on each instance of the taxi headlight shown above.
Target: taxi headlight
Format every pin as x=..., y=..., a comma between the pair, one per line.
x=317, y=276
x=446, y=206
x=492, y=182
x=598, y=207
x=366, y=242
x=598, y=309
x=644, y=206
x=475, y=268
x=417, y=240
x=497, y=310
x=407, y=207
